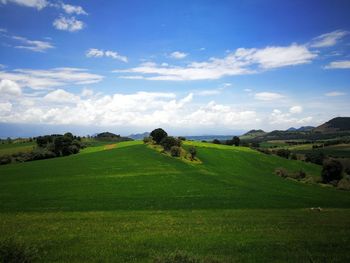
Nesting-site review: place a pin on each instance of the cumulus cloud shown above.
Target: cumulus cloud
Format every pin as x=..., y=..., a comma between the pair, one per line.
x=61, y=96
x=70, y=24
x=242, y=61
x=296, y=109
x=33, y=45
x=280, y=118
x=38, y=4
x=334, y=94
x=97, y=53
x=268, y=96
x=9, y=88
x=5, y=107
x=73, y=9
x=45, y=79
x=178, y=55
x=328, y=39
x=344, y=64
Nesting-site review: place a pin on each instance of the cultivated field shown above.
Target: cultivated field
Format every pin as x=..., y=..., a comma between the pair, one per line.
x=125, y=202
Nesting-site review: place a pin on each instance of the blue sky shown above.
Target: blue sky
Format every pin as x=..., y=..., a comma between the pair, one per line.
x=192, y=67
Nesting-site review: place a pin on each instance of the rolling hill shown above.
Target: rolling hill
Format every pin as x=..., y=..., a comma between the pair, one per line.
x=339, y=124
x=129, y=203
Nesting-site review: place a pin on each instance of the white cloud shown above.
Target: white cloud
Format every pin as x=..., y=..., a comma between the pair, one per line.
x=268, y=96
x=242, y=61
x=328, y=39
x=87, y=92
x=94, y=52
x=73, y=9
x=38, y=4
x=178, y=55
x=5, y=107
x=9, y=88
x=344, y=64
x=45, y=79
x=115, y=55
x=68, y=24
x=296, y=109
x=279, y=118
x=33, y=45
x=248, y=90
x=209, y=92
x=334, y=94
x=61, y=96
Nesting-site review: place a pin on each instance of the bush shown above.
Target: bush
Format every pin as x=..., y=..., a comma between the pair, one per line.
x=315, y=157
x=293, y=156
x=147, y=139
x=193, y=152
x=332, y=171
x=14, y=252
x=298, y=175
x=344, y=184
x=181, y=138
x=5, y=159
x=236, y=140
x=169, y=142
x=216, y=141
x=281, y=172
x=158, y=135
x=42, y=153
x=283, y=153
x=175, y=151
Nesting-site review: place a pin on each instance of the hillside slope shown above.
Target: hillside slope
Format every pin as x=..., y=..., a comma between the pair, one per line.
x=338, y=124
x=136, y=177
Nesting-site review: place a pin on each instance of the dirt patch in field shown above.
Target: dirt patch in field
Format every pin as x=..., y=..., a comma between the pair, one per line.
x=110, y=146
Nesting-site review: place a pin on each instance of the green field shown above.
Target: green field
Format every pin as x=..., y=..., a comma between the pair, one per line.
x=129, y=203
x=10, y=148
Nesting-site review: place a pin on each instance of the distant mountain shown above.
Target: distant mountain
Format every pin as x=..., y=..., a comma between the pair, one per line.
x=338, y=124
x=139, y=136
x=301, y=129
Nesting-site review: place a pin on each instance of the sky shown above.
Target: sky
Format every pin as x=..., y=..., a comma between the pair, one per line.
x=190, y=67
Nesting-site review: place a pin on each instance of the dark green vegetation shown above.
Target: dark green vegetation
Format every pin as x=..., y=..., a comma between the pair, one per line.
x=131, y=203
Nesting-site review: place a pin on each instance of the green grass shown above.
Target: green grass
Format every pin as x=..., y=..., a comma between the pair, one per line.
x=11, y=148
x=131, y=203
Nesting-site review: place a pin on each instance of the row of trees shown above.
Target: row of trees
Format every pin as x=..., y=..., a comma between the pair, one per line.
x=234, y=141
x=48, y=146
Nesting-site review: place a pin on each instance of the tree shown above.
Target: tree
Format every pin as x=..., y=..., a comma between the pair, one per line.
x=193, y=151
x=169, y=142
x=283, y=153
x=216, y=141
x=158, y=135
x=175, y=151
x=236, y=140
x=332, y=171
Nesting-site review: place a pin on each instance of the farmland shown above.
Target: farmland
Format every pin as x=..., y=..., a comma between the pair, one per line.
x=131, y=203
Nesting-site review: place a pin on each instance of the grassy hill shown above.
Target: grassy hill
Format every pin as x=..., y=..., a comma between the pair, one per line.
x=131, y=203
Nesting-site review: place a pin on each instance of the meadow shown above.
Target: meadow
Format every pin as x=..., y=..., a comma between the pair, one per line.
x=126, y=202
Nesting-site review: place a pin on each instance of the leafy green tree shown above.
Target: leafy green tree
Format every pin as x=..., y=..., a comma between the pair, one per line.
x=175, y=151
x=331, y=171
x=193, y=152
x=158, y=135
x=216, y=141
x=236, y=140
x=169, y=142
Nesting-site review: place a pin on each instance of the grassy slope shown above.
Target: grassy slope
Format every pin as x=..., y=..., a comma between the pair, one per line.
x=131, y=202
x=10, y=148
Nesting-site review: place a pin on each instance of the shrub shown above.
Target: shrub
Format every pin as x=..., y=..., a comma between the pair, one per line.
x=169, y=142
x=147, y=139
x=14, y=252
x=216, y=141
x=344, y=184
x=298, y=175
x=193, y=152
x=283, y=153
x=315, y=157
x=158, y=135
x=281, y=172
x=293, y=156
x=5, y=159
x=236, y=140
x=332, y=171
x=175, y=151
x=181, y=138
